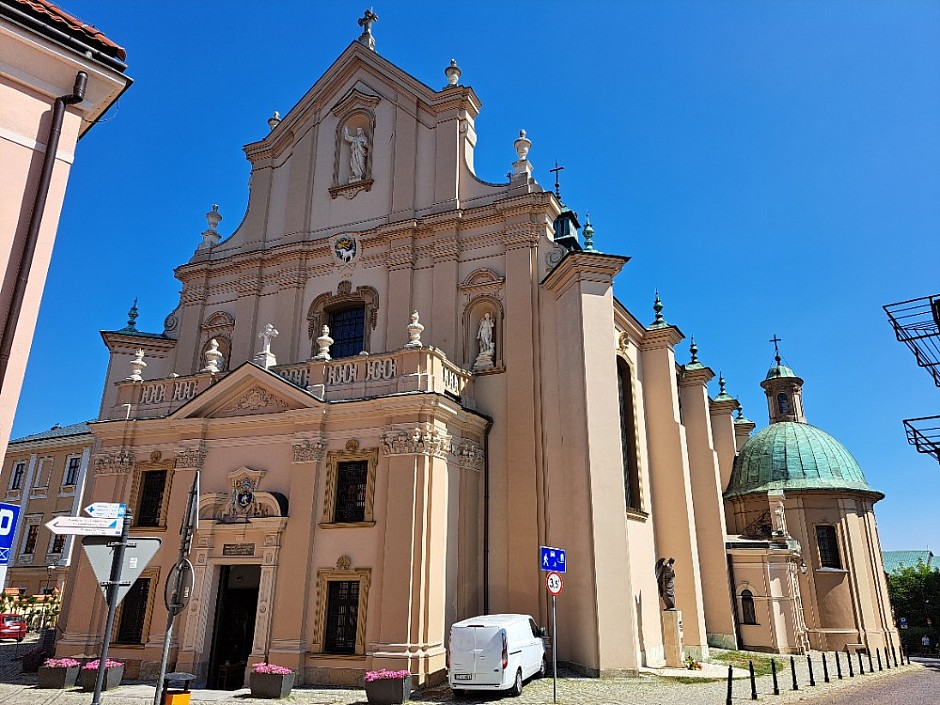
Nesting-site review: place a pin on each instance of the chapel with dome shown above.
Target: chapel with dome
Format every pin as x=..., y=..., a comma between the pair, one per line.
x=806, y=560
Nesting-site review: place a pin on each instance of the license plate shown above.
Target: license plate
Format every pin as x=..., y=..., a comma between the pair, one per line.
x=463, y=676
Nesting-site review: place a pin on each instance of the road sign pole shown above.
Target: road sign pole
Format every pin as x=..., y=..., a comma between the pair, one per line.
x=113, y=585
x=186, y=534
x=554, y=653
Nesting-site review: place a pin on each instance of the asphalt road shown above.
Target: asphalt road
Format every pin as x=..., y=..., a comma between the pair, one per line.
x=920, y=687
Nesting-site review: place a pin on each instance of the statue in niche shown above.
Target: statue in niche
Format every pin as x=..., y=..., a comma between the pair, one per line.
x=666, y=581
x=358, y=148
x=487, y=347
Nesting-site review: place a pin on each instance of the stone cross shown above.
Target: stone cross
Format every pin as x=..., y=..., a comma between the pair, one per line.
x=366, y=21
x=267, y=334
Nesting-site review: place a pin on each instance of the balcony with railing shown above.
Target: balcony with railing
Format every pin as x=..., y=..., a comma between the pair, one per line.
x=364, y=376
x=924, y=434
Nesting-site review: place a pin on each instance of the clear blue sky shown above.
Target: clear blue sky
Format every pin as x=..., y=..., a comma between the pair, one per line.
x=771, y=167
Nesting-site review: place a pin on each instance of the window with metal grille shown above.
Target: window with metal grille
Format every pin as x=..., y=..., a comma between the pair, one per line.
x=828, y=546
x=346, y=329
x=71, y=471
x=133, y=613
x=351, y=480
x=748, y=615
x=58, y=543
x=150, y=506
x=19, y=470
x=31, y=534
x=342, y=617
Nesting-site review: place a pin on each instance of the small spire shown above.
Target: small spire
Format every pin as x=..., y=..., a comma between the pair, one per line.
x=693, y=348
x=365, y=22
x=453, y=73
x=274, y=120
x=658, y=308
x=557, y=185
x=132, y=315
x=721, y=384
x=741, y=418
x=776, y=340
x=588, y=234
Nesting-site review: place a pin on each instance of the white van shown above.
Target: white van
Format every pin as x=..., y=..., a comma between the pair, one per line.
x=495, y=652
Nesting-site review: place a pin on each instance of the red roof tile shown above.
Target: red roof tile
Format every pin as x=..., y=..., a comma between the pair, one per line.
x=73, y=25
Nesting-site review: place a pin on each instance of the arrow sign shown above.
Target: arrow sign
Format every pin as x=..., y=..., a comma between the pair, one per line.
x=106, y=510
x=100, y=552
x=85, y=526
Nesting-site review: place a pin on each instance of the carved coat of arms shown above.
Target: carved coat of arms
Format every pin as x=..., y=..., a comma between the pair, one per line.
x=345, y=249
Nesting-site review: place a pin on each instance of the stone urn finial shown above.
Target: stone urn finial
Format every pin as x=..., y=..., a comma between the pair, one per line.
x=522, y=145
x=274, y=120
x=211, y=236
x=414, y=332
x=453, y=73
x=137, y=367
x=324, y=341
x=213, y=358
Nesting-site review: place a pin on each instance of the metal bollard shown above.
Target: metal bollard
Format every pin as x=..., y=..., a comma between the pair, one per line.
x=878, y=654
x=838, y=665
x=861, y=666
x=730, y=676
x=871, y=666
x=793, y=673
x=809, y=662
x=750, y=667
x=894, y=656
x=825, y=668
x=773, y=671
x=848, y=660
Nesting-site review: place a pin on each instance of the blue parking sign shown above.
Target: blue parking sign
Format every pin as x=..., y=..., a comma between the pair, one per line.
x=9, y=513
x=551, y=558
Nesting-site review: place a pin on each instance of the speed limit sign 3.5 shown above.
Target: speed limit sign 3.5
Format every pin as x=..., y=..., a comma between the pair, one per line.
x=553, y=583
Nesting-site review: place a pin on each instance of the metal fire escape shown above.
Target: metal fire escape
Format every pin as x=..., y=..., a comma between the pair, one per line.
x=917, y=325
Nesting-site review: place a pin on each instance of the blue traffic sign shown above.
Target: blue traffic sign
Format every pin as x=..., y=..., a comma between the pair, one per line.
x=9, y=513
x=552, y=559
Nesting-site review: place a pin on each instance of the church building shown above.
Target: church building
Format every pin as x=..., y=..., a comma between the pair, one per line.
x=397, y=381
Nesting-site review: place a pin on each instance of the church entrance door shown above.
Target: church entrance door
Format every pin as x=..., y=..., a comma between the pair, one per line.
x=234, y=625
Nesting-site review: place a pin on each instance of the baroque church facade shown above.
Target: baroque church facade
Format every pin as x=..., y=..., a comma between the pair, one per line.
x=369, y=376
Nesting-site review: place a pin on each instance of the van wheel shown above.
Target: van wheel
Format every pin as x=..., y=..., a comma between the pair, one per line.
x=516, y=689
x=543, y=670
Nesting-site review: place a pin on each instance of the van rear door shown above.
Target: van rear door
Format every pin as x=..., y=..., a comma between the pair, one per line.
x=476, y=655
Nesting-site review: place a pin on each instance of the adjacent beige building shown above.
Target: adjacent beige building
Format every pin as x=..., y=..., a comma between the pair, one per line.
x=58, y=75
x=395, y=382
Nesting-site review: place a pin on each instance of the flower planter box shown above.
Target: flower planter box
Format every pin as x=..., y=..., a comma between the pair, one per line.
x=271, y=685
x=89, y=676
x=388, y=691
x=53, y=677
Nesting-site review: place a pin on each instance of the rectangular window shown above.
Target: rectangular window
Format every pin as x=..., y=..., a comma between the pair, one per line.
x=31, y=534
x=346, y=328
x=19, y=472
x=342, y=617
x=58, y=543
x=41, y=478
x=71, y=471
x=828, y=546
x=133, y=613
x=351, y=478
x=150, y=505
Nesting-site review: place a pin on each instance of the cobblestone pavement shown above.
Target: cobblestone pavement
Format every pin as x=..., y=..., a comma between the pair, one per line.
x=649, y=689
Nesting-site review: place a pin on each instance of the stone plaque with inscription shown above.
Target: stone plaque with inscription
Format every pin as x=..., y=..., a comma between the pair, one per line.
x=238, y=549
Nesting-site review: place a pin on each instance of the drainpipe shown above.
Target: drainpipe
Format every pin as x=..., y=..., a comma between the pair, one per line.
x=486, y=517
x=35, y=219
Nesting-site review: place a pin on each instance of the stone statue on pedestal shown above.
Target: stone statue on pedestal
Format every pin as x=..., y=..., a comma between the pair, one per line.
x=666, y=580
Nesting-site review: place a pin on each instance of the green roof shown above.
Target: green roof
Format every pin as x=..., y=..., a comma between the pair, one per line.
x=778, y=371
x=795, y=456
x=908, y=559
x=75, y=429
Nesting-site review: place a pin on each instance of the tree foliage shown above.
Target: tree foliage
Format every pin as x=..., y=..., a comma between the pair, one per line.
x=915, y=595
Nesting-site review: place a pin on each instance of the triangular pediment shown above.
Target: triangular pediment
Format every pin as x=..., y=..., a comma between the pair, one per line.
x=246, y=391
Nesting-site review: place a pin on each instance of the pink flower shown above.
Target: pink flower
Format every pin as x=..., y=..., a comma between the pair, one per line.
x=271, y=668
x=384, y=675
x=61, y=663
x=93, y=665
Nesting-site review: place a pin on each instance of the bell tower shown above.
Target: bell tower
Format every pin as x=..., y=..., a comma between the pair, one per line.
x=784, y=391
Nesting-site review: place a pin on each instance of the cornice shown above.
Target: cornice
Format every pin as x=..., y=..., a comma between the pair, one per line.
x=692, y=376
x=666, y=336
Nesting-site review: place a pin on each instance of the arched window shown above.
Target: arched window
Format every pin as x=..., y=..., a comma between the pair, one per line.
x=631, y=475
x=346, y=328
x=748, y=615
x=783, y=403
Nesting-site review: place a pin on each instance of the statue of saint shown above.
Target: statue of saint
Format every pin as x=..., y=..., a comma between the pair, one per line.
x=485, y=334
x=666, y=580
x=358, y=147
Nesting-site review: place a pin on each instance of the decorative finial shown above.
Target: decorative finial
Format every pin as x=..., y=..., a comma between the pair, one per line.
x=741, y=418
x=137, y=367
x=414, y=332
x=213, y=358
x=265, y=357
x=693, y=348
x=658, y=308
x=132, y=316
x=588, y=234
x=211, y=236
x=721, y=384
x=522, y=166
x=453, y=73
x=365, y=22
x=776, y=340
x=274, y=120
x=557, y=185
x=324, y=341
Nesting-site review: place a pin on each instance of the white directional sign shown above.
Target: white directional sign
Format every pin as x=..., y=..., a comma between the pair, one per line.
x=85, y=526
x=106, y=510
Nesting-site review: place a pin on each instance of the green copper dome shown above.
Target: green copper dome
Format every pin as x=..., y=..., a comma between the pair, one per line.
x=795, y=456
x=778, y=371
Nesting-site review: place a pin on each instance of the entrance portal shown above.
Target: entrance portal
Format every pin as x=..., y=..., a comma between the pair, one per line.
x=234, y=629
